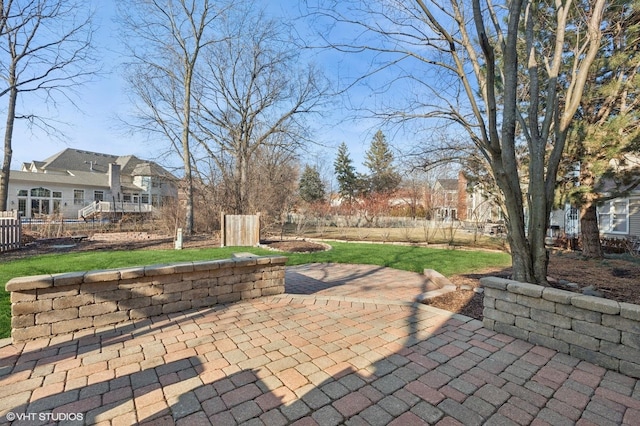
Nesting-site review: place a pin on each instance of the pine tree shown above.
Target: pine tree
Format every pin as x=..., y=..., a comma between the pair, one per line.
x=605, y=130
x=348, y=181
x=311, y=185
x=383, y=178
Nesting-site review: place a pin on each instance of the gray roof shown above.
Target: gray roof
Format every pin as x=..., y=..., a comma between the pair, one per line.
x=76, y=161
x=609, y=185
x=448, y=184
x=76, y=179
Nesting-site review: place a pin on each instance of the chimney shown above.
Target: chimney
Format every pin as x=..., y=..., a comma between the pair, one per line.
x=114, y=181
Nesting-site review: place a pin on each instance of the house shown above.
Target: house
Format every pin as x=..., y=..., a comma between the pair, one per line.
x=617, y=218
x=79, y=184
x=444, y=199
x=459, y=199
x=620, y=217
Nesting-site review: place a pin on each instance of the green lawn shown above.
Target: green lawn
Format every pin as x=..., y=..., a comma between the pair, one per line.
x=409, y=258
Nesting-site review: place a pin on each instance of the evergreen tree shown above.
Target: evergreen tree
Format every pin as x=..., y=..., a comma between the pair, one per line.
x=383, y=178
x=606, y=131
x=311, y=185
x=346, y=175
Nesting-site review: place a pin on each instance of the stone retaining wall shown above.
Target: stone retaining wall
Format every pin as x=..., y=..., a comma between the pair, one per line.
x=601, y=331
x=50, y=305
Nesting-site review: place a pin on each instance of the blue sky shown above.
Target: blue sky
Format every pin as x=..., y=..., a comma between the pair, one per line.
x=93, y=126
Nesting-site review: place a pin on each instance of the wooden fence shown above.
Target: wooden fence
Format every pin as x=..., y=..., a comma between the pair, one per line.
x=10, y=231
x=240, y=230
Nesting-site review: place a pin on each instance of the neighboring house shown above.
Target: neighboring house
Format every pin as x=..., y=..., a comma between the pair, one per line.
x=617, y=218
x=76, y=184
x=620, y=217
x=458, y=199
x=445, y=200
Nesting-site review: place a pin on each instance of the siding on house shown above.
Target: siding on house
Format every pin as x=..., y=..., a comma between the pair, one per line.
x=634, y=217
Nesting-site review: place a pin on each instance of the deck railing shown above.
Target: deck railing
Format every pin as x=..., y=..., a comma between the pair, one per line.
x=107, y=207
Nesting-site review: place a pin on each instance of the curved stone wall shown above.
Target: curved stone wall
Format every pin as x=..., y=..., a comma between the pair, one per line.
x=601, y=331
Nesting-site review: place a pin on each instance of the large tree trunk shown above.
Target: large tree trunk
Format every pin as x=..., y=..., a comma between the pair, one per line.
x=241, y=182
x=186, y=155
x=586, y=202
x=591, y=246
x=521, y=259
x=8, y=152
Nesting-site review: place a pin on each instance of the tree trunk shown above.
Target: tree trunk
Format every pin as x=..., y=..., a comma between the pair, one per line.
x=521, y=259
x=591, y=247
x=240, y=178
x=188, y=176
x=186, y=149
x=8, y=152
x=586, y=202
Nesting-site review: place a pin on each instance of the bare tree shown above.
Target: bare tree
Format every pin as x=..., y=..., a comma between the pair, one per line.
x=46, y=53
x=253, y=93
x=165, y=40
x=506, y=74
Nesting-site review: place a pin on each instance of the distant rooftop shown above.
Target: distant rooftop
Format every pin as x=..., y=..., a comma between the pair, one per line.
x=75, y=160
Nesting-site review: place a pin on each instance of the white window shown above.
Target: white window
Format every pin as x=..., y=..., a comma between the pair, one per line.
x=613, y=217
x=78, y=196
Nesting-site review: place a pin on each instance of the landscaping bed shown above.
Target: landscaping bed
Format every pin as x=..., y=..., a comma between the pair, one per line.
x=615, y=277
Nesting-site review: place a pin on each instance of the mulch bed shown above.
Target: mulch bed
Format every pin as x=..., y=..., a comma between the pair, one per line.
x=616, y=279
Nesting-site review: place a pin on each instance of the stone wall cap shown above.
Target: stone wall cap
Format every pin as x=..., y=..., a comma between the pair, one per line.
x=630, y=311
x=160, y=269
x=29, y=283
x=597, y=304
x=68, y=278
x=495, y=282
x=244, y=261
x=205, y=265
x=182, y=267
x=557, y=295
x=279, y=259
x=102, y=275
x=526, y=289
x=131, y=273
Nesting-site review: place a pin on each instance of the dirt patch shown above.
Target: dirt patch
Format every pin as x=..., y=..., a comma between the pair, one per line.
x=294, y=246
x=615, y=279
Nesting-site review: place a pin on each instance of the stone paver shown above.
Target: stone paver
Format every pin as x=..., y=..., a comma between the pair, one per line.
x=345, y=345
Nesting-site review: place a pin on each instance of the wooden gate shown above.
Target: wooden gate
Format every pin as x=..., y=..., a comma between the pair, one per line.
x=10, y=231
x=240, y=230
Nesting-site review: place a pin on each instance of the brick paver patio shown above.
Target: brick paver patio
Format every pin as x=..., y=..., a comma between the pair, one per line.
x=353, y=349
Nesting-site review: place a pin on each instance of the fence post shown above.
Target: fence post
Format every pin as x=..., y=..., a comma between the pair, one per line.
x=223, y=229
x=178, y=245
